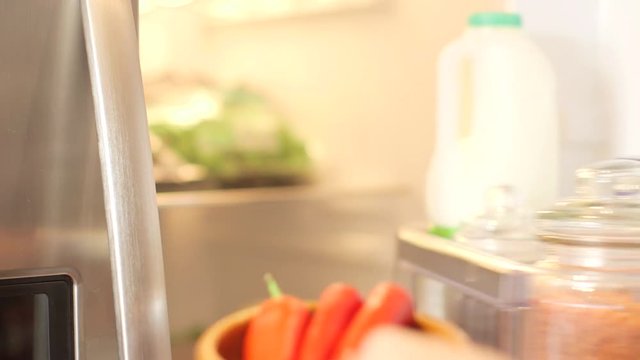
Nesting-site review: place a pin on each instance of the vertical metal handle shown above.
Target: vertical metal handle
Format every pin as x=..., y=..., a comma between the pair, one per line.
x=129, y=190
x=136, y=13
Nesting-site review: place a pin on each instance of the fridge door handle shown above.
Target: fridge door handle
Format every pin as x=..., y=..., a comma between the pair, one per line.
x=129, y=189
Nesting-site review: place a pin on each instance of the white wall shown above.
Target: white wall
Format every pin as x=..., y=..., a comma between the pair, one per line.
x=570, y=44
x=594, y=47
x=359, y=85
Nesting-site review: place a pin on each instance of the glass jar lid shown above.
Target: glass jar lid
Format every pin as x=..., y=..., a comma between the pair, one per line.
x=603, y=212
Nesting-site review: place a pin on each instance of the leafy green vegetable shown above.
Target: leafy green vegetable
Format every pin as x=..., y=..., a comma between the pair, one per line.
x=247, y=140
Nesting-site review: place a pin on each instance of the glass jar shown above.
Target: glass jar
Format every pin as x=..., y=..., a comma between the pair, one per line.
x=587, y=299
x=504, y=228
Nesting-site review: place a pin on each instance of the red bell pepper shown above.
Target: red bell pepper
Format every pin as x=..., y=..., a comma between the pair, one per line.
x=386, y=304
x=338, y=304
x=277, y=330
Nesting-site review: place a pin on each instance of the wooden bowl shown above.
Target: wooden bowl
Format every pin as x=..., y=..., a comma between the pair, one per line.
x=224, y=339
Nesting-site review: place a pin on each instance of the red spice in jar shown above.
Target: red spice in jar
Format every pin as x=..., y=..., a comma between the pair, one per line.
x=570, y=324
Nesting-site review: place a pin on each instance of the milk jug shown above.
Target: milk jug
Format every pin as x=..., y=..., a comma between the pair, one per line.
x=496, y=121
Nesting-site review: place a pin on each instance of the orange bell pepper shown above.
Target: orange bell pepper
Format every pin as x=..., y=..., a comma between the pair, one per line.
x=338, y=304
x=277, y=330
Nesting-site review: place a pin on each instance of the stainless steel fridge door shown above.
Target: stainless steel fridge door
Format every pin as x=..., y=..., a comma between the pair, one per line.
x=76, y=191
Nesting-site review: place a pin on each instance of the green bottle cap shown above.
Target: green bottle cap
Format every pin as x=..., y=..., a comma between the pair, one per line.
x=495, y=19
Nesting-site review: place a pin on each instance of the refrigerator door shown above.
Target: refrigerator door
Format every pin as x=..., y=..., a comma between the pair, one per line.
x=79, y=232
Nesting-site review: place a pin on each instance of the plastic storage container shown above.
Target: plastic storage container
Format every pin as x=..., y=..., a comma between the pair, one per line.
x=484, y=294
x=481, y=281
x=496, y=121
x=586, y=304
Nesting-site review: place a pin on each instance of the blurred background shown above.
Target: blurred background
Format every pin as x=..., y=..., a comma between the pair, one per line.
x=293, y=136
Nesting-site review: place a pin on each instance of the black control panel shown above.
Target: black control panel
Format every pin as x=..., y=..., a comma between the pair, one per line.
x=36, y=318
